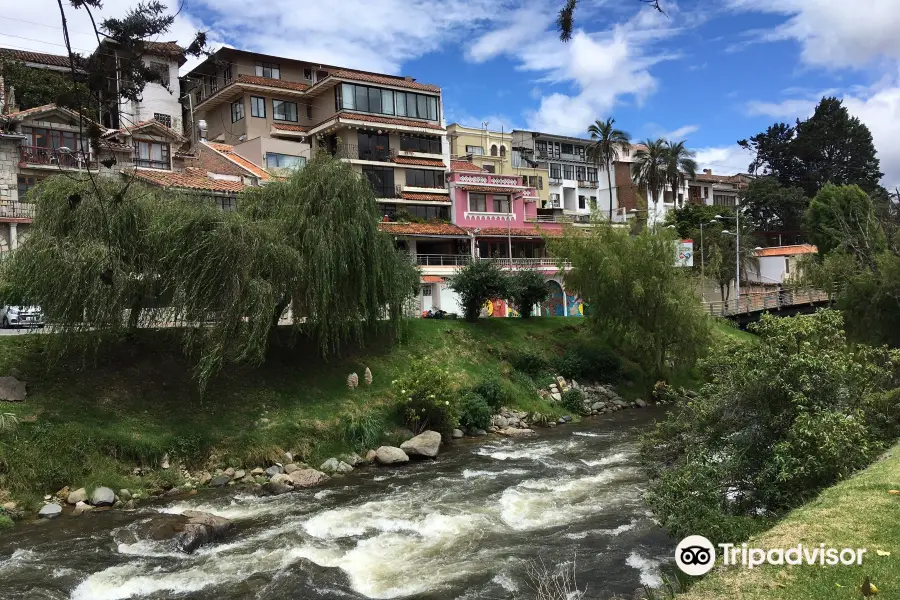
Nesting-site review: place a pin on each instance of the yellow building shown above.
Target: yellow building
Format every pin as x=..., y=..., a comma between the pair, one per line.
x=494, y=152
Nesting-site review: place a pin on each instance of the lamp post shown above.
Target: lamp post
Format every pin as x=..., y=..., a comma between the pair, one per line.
x=737, y=256
x=703, y=262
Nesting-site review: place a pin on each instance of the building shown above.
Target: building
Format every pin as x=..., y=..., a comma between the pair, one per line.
x=778, y=265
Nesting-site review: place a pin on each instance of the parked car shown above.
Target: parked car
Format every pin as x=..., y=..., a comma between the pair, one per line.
x=21, y=316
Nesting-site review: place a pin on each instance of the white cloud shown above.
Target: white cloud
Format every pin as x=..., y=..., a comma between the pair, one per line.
x=724, y=160
x=834, y=33
x=785, y=109
x=680, y=133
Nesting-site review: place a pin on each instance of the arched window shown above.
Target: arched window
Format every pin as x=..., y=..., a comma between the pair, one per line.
x=502, y=150
x=494, y=150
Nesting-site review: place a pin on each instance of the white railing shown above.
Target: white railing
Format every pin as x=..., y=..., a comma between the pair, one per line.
x=549, y=219
x=441, y=260
x=545, y=261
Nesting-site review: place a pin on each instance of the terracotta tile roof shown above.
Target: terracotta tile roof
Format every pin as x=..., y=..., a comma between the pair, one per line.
x=383, y=79
x=786, y=250
x=464, y=165
x=425, y=197
x=270, y=82
x=287, y=127
x=129, y=129
x=422, y=229
x=21, y=114
x=422, y=162
x=191, y=179
x=514, y=232
x=165, y=48
x=432, y=279
x=485, y=189
x=53, y=60
x=379, y=119
x=245, y=164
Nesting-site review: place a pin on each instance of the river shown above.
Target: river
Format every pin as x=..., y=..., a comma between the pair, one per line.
x=463, y=526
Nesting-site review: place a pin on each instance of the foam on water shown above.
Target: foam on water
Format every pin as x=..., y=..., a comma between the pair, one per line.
x=614, y=459
x=18, y=558
x=241, y=507
x=648, y=567
x=479, y=474
x=615, y=531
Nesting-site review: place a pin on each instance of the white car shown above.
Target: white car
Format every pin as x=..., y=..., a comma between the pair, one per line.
x=21, y=316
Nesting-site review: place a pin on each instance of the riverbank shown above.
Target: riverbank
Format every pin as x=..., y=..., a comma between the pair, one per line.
x=860, y=512
x=138, y=405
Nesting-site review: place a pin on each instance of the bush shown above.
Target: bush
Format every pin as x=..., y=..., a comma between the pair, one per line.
x=427, y=398
x=526, y=289
x=5, y=520
x=573, y=400
x=474, y=412
x=529, y=362
x=590, y=362
x=493, y=392
x=362, y=427
x=881, y=412
x=476, y=283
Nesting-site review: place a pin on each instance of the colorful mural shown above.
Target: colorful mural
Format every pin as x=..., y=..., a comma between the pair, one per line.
x=574, y=306
x=553, y=306
x=495, y=308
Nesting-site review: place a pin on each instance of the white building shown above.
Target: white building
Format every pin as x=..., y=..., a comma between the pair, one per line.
x=778, y=265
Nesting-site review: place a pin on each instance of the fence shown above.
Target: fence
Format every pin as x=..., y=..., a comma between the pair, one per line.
x=766, y=301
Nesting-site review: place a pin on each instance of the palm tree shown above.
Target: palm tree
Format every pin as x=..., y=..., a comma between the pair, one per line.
x=605, y=149
x=649, y=168
x=680, y=166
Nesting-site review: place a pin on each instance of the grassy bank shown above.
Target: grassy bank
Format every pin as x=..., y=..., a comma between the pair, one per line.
x=856, y=513
x=88, y=425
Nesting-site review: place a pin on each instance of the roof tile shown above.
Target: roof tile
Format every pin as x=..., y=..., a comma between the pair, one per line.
x=425, y=197
x=53, y=60
x=422, y=162
x=486, y=189
x=516, y=232
x=384, y=80
x=191, y=179
x=464, y=165
x=422, y=229
x=379, y=119
x=432, y=279
x=270, y=82
x=287, y=127
x=245, y=164
x=786, y=250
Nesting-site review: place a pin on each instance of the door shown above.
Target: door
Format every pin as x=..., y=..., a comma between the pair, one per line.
x=426, y=297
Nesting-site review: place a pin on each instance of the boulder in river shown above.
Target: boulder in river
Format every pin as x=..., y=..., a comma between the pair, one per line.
x=389, y=455
x=426, y=444
x=371, y=456
x=516, y=432
x=457, y=433
x=274, y=470
x=81, y=507
x=50, y=511
x=353, y=459
x=307, y=477
x=103, y=496
x=79, y=495
x=219, y=481
x=333, y=465
x=281, y=478
x=290, y=468
x=270, y=488
x=12, y=390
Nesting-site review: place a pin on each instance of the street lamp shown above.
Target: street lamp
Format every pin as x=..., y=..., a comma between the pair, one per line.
x=737, y=255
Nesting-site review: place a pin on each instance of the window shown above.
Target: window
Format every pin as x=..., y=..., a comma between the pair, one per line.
x=568, y=149
x=516, y=161
x=351, y=96
x=489, y=168
x=532, y=181
x=164, y=119
x=307, y=74
x=426, y=290
x=626, y=151
x=592, y=174
x=706, y=192
x=381, y=179
x=555, y=171
x=501, y=204
x=494, y=150
x=502, y=151
x=226, y=203
x=722, y=200
x=320, y=75
x=237, y=110
x=582, y=202
x=554, y=150
x=257, y=107
x=269, y=70
x=39, y=137
x=424, y=178
x=477, y=202
x=213, y=83
x=226, y=75
x=542, y=148
x=284, y=111
x=787, y=265
x=25, y=183
x=161, y=71
x=373, y=146
x=694, y=193
x=540, y=182
x=428, y=213
x=421, y=143
x=152, y=155
x=568, y=172
x=580, y=173
x=477, y=150
x=284, y=161
x=309, y=111
x=579, y=152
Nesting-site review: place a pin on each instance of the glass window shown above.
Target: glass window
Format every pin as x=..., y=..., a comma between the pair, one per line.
x=582, y=202
x=226, y=75
x=501, y=204
x=423, y=106
x=477, y=202
x=284, y=111
x=163, y=118
x=151, y=155
x=555, y=171
x=373, y=146
x=362, y=98
x=592, y=174
x=401, y=104
x=502, y=150
x=269, y=70
x=411, y=105
x=421, y=143
x=237, y=110
x=432, y=108
x=489, y=168
x=478, y=150
x=307, y=74
x=25, y=183
x=258, y=107
x=580, y=173
x=424, y=178
x=542, y=147
x=381, y=179
x=494, y=150
x=567, y=149
x=387, y=102
x=348, y=96
x=284, y=161
x=568, y=172
x=375, y=100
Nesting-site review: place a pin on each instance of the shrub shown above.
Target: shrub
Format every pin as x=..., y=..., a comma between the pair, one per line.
x=476, y=283
x=527, y=288
x=589, y=361
x=5, y=520
x=474, y=412
x=493, y=392
x=529, y=362
x=573, y=400
x=881, y=412
x=427, y=398
x=362, y=426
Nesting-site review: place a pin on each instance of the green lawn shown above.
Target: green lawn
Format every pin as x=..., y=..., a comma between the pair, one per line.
x=856, y=513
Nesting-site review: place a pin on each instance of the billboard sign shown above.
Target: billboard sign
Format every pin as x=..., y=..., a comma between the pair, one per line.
x=684, y=255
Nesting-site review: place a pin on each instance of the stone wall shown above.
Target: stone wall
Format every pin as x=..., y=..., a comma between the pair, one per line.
x=9, y=168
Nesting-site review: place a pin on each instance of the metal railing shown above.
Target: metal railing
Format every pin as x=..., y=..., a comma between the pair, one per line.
x=550, y=219
x=766, y=301
x=583, y=183
x=441, y=260
x=545, y=261
x=354, y=152
x=36, y=155
x=17, y=210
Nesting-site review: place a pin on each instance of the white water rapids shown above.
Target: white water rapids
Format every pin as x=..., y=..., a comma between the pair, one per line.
x=465, y=525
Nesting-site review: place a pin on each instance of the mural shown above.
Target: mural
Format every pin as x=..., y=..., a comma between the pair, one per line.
x=496, y=308
x=553, y=306
x=575, y=306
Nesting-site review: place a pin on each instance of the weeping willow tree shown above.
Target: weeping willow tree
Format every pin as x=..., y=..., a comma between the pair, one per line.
x=103, y=260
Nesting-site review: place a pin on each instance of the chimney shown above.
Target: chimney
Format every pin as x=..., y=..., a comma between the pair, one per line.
x=408, y=78
x=707, y=171
x=202, y=129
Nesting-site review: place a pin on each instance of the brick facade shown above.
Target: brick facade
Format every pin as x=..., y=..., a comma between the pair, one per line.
x=626, y=191
x=210, y=161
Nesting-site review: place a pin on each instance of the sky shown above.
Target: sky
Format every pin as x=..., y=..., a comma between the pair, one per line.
x=710, y=72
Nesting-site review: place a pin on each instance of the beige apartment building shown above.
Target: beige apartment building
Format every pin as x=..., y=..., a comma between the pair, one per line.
x=278, y=112
x=494, y=152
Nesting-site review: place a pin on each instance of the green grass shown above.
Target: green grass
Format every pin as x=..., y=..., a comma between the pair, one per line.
x=88, y=425
x=727, y=329
x=856, y=513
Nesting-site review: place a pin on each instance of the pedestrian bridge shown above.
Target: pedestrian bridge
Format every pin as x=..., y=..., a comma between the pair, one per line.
x=751, y=306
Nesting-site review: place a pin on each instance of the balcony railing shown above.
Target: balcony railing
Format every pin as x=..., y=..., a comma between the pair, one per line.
x=36, y=155
x=354, y=152
x=549, y=219
x=442, y=260
x=17, y=210
x=556, y=181
x=573, y=157
x=545, y=261
x=587, y=184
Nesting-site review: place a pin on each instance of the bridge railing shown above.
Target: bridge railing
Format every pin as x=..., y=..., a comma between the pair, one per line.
x=757, y=302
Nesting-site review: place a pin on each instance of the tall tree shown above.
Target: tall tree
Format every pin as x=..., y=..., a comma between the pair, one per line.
x=830, y=147
x=649, y=168
x=844, y=218
x=604, y=149
x=565, y=20
x=680, y=167
x=772, y=207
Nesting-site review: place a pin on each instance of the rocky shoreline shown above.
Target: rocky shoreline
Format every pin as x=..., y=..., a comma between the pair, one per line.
x=290, y=475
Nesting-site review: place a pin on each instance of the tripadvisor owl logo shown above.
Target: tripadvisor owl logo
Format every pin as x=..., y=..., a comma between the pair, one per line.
x=695, y=555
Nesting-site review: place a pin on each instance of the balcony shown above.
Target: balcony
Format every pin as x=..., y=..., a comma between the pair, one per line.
x=572, y=157
x=354, y=152
x=441, y=260
x=545, y=261
x=556, y=180
x=550, y=219
x=54, y=157
x=587, y=184
x=17, y=210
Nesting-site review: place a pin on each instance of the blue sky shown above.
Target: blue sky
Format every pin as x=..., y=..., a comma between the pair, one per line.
x=712, y=72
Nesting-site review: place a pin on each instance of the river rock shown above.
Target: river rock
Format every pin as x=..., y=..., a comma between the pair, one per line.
x=500, y=421
x=229, y=471
x=201, y=528
x=307, y=477
x=330, y=465
x=353, y=459
x=219, y=481
x=371, y=456
x=50, y=511
x=271, y=488
x=427, y=443
x=79, y=495
x=556, y=396
x=81, y=507
x=12, y=390
x=389, y=455
x=240, y=474
x=457, y=433
x=103, y=496
x=640, y=403
x=290, y=468
x=479, y=433
x=515, y=432
x=124, y=495
x=257, y=472
x=281, y=478
x=274, y=470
